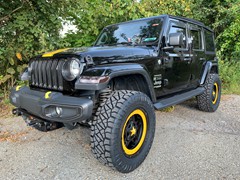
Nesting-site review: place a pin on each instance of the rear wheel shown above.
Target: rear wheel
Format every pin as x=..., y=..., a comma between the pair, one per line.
x=123, y=130
x=210, y=99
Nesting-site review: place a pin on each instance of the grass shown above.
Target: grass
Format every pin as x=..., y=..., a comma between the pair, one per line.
x=168, y=109
x=230, y=76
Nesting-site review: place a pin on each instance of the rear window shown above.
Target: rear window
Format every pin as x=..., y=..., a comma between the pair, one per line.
x=209, y=40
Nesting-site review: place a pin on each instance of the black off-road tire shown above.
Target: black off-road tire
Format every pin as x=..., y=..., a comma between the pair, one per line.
x=207, y=101
x=109, y=125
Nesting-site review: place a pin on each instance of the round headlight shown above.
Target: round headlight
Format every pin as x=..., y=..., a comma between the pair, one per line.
x=72, y=69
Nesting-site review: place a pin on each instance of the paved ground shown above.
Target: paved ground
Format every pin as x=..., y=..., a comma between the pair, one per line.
x=188, y=144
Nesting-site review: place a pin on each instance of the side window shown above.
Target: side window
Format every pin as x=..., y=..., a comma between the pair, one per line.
x=196, y=38
x=177, y=29
x=209, y=40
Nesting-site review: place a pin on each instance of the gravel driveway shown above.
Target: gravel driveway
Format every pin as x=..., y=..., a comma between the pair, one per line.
x=188, y=144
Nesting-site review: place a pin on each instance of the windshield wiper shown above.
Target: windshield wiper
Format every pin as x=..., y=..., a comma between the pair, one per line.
x=114, y=44
x=124, y=43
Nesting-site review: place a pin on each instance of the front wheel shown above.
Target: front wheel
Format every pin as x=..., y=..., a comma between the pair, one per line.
x=123, y=130
x=210, y=99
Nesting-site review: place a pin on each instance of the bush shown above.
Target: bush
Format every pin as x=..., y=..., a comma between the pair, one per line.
x=230, y=76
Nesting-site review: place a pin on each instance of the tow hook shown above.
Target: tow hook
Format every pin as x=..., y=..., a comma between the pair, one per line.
x=42, y=125
x=39, y=124
x=16, y=112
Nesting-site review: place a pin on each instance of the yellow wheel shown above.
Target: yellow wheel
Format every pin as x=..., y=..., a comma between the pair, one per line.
x=123, y=131
x=134, y=132
x=215, y=93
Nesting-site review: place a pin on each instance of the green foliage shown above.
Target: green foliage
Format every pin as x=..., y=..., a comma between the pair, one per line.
x=224, y=17
x=229, y=39
x=28, y=27
x=90, y=22
x=230, y=76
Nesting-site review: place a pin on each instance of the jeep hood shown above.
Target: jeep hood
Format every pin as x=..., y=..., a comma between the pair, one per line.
x=103, y=55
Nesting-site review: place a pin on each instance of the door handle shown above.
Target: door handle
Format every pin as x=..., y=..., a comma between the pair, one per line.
x=166, y=60
x=187, y=59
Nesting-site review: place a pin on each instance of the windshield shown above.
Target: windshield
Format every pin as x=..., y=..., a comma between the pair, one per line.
x=131, y=33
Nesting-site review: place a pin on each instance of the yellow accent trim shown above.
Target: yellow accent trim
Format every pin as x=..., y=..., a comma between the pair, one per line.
x=18, y=88
x=144, y=132
x=216, y=96
x=133, y=131
x=50, y=54
x=47, y=94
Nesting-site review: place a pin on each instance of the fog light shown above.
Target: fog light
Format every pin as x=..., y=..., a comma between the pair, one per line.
x=58, y=111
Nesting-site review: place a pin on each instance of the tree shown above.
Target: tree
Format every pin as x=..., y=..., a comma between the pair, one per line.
x=28, y=27
x=224, y=17
x=90, y=22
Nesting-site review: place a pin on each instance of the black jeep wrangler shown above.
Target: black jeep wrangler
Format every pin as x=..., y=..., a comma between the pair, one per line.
x=114, y=86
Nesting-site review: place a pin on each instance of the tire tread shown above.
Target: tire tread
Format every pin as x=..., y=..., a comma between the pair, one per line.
x=102, y=127
x=204, y=100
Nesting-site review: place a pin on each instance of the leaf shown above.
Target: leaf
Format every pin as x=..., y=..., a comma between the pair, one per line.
x=20, y=68
x=11, y=61
x=5, y=78
x=19, y=56
x=11, y=71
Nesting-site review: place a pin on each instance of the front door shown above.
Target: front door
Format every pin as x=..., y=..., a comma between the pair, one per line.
x=177, y=63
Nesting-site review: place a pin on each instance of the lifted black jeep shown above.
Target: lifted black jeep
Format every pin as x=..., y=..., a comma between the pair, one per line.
x=133, y=68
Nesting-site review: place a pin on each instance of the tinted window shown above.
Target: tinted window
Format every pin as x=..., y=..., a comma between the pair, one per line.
x=209, y=40
x=176, y=29
x=196, y=39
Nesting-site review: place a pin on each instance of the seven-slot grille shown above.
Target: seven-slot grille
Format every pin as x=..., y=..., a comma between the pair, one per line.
x=47, y=73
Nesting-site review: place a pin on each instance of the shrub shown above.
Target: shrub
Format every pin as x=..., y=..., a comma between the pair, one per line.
x=230, y=76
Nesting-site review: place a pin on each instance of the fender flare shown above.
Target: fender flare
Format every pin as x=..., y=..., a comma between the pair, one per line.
x=206, y=71
x=112, y=72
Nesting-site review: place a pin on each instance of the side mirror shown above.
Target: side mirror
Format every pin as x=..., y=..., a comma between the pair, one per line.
x=176, y=39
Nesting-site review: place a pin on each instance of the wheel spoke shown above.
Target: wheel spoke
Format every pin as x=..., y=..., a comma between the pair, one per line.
x=127, y=142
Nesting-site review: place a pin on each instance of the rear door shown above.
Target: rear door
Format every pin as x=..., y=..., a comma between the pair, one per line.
x=196, y=52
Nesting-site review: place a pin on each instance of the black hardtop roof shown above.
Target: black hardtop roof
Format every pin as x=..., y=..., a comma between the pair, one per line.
x=190, y=20
x=186, y=19
x=172, y=17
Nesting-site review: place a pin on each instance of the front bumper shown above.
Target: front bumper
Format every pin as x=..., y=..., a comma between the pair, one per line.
x=44, y=104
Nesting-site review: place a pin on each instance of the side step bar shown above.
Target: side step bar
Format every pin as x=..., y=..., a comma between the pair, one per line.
x=176, y=99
